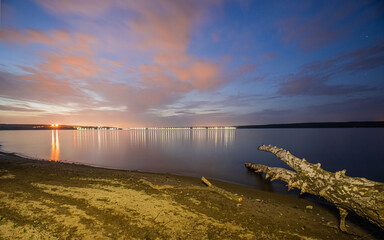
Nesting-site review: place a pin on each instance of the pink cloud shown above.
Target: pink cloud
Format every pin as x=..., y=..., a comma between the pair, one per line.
x=43, y=82
x=112, y=62
x=150, y=26
x=68, y=57
x=88, y=8
x=173, y=67
x=74, y=56
x=183, y=76
x=38, y=86
x=29, y=36
x=69, y=65
x=154, y=19
x=62, y=39
x=82, y=43
x=206, y=75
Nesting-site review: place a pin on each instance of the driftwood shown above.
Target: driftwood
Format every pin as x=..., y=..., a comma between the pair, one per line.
x=360, y=195
x=206, y=182
x=220, y=191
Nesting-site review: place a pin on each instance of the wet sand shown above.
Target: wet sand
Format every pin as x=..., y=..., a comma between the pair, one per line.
x=52, y=200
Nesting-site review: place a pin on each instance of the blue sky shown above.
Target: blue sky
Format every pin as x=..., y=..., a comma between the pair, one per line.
x=180, y=63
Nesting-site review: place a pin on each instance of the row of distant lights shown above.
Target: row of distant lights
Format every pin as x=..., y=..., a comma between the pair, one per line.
x=55, y=125
x=185, y=128
x=151, y=128
x=94, y=128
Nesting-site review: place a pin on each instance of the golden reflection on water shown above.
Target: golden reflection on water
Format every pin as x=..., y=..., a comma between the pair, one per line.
x=216, y=137
x=55, y=145
x=101, y=139
x=96, y=138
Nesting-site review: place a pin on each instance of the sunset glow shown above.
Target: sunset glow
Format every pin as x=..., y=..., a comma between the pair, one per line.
x=191, y=63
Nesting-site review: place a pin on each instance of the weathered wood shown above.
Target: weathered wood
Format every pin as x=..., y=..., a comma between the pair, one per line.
x=220, y=191
x=360, y=195
x=208, y=183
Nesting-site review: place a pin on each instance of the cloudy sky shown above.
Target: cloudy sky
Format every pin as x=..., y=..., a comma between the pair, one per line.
x=181, y=63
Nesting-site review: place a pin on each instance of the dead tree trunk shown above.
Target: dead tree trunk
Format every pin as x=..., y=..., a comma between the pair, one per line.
x=362, y=196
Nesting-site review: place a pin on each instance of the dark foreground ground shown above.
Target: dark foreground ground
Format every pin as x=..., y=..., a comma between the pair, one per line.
x=50, y=200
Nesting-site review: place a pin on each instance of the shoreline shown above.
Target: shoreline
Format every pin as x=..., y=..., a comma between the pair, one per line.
x=2, y=151
x=45, y=199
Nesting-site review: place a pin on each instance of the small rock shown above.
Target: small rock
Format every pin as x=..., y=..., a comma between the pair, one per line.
x=309, y=207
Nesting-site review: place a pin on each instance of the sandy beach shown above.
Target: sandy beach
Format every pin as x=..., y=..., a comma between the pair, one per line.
x=52, y=200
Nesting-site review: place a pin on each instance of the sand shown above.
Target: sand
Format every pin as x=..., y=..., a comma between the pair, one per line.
x=52, y=200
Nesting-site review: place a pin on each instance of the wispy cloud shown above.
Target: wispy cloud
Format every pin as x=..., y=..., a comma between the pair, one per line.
x=312, y=84
x=314, y=78
x=331, y=22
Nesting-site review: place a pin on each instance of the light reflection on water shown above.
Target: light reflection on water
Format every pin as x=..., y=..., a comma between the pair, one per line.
x=101, y=139
x=217, y=137
x=55, y=146
x=213, y=153
x=85, y=139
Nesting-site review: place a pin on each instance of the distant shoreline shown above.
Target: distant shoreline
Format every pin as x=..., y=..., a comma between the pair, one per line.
x=364, y=124
x=371, y=124
x=51, y=127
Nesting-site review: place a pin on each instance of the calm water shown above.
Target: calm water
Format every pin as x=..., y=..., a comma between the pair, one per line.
x=218, y=154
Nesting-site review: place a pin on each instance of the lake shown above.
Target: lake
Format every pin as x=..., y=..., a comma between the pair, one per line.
x=213, y=153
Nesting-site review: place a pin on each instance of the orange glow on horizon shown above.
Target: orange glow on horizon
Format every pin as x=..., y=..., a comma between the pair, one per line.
x=54, y=125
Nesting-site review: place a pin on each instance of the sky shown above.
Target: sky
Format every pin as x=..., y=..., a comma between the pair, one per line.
x=171, y=63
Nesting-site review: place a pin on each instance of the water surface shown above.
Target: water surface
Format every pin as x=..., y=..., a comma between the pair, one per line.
x=218, y=154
